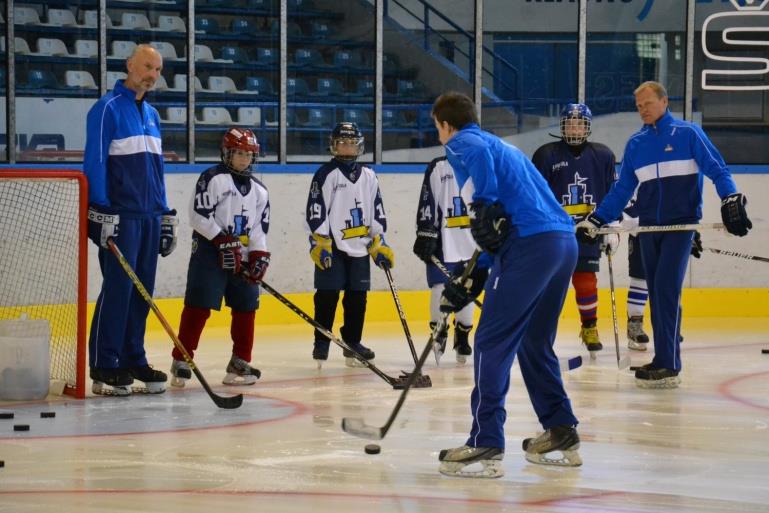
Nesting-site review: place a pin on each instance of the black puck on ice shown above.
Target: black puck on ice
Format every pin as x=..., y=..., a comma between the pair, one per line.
x=765, y=351
x=2, y=463
x=21, y=427
x=47, y=414
x=6, y=415
x=372, y=449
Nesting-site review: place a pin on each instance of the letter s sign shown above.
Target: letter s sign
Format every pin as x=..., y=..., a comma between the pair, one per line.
x=751, y=72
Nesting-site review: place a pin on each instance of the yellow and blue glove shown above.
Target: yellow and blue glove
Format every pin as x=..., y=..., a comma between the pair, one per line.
x=381, y=252
x=320, y=251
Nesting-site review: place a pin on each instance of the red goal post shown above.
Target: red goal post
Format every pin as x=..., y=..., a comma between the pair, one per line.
x=44, y=262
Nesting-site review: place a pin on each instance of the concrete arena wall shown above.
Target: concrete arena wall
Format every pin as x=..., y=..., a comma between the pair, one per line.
x=291, y=269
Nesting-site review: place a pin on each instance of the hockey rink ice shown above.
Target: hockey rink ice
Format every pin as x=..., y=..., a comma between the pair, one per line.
x=701, y=448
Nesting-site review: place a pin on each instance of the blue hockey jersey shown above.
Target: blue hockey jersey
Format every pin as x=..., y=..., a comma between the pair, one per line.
x=123, y=155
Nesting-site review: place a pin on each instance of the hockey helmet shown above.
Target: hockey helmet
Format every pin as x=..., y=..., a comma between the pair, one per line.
x=576, y=123
x=239, y=139
x=346, y=133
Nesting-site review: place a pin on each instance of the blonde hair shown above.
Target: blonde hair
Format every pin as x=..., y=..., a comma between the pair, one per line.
x=658, y=88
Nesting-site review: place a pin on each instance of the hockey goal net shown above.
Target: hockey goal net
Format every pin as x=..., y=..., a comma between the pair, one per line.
x=43, y=262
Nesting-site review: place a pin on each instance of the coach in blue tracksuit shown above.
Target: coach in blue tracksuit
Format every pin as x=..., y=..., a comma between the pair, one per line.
x=127, y=202
x=666, y=160
x=529, y=245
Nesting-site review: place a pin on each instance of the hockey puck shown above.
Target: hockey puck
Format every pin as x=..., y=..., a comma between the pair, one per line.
x=372, y=449
x=21, y=427
x=765, y=351
x=2, y=463
x=47, y=414
x=6, y=415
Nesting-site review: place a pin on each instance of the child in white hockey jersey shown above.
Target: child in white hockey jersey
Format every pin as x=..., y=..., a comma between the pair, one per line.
x=443, y=231
x=346, y=222
x=230, y=215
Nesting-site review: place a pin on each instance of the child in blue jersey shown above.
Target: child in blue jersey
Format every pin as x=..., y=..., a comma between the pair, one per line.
x=664, y=164
x=529, y=256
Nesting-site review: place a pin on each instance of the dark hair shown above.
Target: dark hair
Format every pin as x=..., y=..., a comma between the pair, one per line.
x=454, y=108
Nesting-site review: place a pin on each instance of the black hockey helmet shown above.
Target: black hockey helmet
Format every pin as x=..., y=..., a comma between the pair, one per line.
x=348, y=133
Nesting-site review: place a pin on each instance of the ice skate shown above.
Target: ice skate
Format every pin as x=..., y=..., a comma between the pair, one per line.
x=465, y=462
x=589, y=336
x=320, y=352
x=154, y=380
x=439, y=344
x=180, y=373
x=239, y=372
x=561, y=440
x=461, y=342
x=111, y=382
x=649, y=376
x=362, y=350
x=637, y=339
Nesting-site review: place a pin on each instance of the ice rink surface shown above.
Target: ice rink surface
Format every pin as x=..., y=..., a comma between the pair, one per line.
x=702, y=448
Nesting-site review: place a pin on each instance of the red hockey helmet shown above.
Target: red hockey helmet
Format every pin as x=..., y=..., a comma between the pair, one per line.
x=239, y=139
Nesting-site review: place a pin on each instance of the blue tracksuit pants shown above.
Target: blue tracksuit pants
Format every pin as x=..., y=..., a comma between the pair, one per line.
x=523, y=299
x=665, y=257
x=119, y=321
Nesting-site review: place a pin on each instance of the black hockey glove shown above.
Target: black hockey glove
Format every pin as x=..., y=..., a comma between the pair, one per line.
x=734, y=216
x=585, y=227
x=102, y=224
x=489, y=225
x=426, y=244
x=457, y=295
x=696, y=245
x=168, y=227
x=228, y=246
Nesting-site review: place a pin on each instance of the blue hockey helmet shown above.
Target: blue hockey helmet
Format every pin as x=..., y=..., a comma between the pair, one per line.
x=349, y=134
x=576, y=122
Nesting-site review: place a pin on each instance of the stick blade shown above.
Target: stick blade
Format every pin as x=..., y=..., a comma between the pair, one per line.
x=228, y=403
x=356, y=427
x=623, y=362
x=569, y=364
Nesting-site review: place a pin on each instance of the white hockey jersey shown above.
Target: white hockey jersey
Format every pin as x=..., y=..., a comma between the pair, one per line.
x=224, y=202
x=441, y=207
x=345, y=204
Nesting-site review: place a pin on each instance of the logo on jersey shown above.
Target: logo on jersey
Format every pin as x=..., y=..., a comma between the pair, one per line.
x=314, y=190
x=457, y=214
x=577, y=202
x=240, y=227
x=355, y=227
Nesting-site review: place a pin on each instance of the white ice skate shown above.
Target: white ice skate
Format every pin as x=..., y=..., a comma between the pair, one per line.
x=363, y=351
x=180, y=373
x=239, y=372
x=466, y=461
x=637, y=339
x=556, y=446
x=154, y=380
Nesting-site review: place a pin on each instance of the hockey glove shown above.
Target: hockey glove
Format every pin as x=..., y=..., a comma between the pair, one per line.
x=228, y=246
x=610, y=243
x=381, y=253
x=320, y=251
x=489, y=225
x=258, y=261
x=168, y=227
x=585, y=229
x=457, y=295
x=102, y=225
x=697, y=245
x=734, y=216
x=426, y=244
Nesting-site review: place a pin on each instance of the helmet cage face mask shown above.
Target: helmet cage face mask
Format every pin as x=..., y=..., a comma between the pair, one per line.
x=348, y=134
x=576, y=123
x=237, y=139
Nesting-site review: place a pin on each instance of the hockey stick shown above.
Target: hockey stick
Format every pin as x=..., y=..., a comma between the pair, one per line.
x=736, y=254
x=624, y=362
x=356, y=426
x=396, y=383
x=400, y=312
x=442, y=268
x=227, y=403
x=650, y=229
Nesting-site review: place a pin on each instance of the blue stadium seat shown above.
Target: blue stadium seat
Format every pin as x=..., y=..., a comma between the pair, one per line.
x=41, y=79
x=267, y=56
x=410, y=89
x=394, y=118
x=207, y=25
x=364, y=87
x=308, y=57
x=349, y=59
x=260, y=86
x=328, y=87
x=297, y=87
x=358, y=116
x=266, y=5
x=301, y=4
x=242, y=26
x=321, y=30
x=318, y=117
x=235, y=54
x=294, y=29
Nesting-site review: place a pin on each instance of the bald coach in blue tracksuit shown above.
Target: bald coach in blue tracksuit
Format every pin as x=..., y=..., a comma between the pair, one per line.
x=666, y=161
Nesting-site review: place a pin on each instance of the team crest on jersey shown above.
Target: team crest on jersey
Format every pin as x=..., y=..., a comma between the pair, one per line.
x=457, y=214
x=577, y=202
x=355, y=227
x=314, y=190
x=668, y=148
